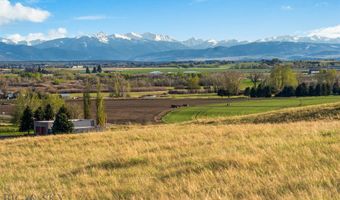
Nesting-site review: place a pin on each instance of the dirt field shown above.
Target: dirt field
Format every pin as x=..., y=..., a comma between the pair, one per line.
x=142, y=111
x=146, y=110
x=6, y=109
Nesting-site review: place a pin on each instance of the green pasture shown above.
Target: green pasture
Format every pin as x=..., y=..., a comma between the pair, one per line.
x=10, y=130
x=243, y=107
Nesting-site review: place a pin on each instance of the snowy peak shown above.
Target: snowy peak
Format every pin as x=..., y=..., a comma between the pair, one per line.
x=326, y=36
x=7, y=41
x=199, y=43
x=157, y=37
x=133, y=36
x=283, y=38
x=120, y=36
x=202, y=44
x=309, y=39
x=193, y=42
x=102, y=37
x=213, y=42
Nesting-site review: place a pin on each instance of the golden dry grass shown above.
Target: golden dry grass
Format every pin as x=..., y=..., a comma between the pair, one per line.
x=284, y=161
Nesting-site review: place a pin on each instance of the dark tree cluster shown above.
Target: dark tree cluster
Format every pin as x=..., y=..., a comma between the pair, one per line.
x=260, y=91
x=302, y=90
x=61, y=123
x=224, y=93
x=95, y=70
x=287, y=91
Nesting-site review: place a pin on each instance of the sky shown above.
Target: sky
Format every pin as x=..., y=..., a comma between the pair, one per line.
x=181, y=19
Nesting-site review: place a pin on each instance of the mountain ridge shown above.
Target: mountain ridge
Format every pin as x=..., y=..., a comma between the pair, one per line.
x=153, y=47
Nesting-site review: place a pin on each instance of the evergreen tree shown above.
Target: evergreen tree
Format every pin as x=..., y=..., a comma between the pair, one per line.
x=94, y=70
x=267, y=91
x=26, y=121
x=336, y=88
x=301, y=90
x=288, y=91
x=318, y=90
x=328, y=89
x=99, y=69
x=259, y=91
x=64, y=110
x=39, y=114
x=223, y=92
x=311, y=90
x=101, y=115
x=253, y=92
x=247, y=92
x=61, y=123
x=88, y=70
x=49, y=114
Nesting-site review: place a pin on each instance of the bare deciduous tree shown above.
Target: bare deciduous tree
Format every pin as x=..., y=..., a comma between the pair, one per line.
x=255, y=78
x=229, y=81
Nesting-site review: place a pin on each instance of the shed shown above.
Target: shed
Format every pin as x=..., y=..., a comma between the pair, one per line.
x=80, y=125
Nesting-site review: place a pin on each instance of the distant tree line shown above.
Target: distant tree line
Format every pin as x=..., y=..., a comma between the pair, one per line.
x=283, y=83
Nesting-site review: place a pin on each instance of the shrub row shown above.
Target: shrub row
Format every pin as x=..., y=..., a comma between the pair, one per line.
x=302, y=90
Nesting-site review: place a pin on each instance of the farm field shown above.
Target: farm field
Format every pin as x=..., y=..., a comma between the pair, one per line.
x=250, y=106
x=9, y=130
x=188, y=161
x=131, y=94
x=141, y=111
x=158, y=94
x=144, y=111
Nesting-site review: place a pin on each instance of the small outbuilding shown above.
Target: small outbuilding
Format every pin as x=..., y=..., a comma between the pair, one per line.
x=65, y=96
x=79, y=126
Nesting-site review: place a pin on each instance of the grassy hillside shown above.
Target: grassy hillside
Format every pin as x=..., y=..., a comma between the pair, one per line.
x=243, y=108
x=305, y=113
x=284, y=161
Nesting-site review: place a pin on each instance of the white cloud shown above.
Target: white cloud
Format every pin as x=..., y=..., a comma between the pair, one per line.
x=51, y=35
x=287, y=8
x=17, y=12
x=329, y=32
x=91, y=17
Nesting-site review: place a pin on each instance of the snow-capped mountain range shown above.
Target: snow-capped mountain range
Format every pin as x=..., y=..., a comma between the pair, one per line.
x=308, y=39
x=194, y=43
x=156, y=47
x=133, y=37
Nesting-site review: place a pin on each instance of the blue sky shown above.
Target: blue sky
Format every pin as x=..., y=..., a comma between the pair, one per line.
x=182, y=19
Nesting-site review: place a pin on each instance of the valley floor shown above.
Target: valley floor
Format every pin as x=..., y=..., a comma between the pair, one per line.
x=298, y=160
